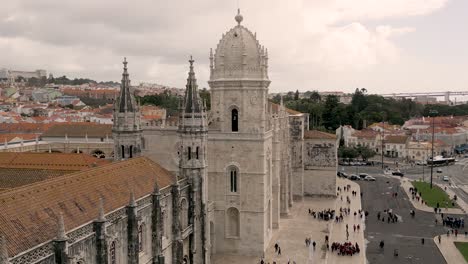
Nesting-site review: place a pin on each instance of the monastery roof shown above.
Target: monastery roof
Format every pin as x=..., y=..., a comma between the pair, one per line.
x=29, y=213
x=315, y=134
x=9, y=137
x=49, y=161
x=24, y=128
x=79, y=130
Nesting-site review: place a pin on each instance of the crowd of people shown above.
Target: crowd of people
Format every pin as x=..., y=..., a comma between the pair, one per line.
x=389, y=215
x=326, y=215
x=345, y=249
x=453, y=222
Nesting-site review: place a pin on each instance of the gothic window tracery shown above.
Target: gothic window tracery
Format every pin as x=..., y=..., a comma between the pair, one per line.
x=141, y=230
x=112, y=253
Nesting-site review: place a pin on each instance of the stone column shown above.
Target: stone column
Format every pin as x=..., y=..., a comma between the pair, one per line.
x=99, y=227
x=157, y=226
x=177, y=244
x=132, y=231
x=60, y=243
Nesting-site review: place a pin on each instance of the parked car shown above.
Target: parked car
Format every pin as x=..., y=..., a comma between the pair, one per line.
x=354, y=177
x=439, y=170
x=398, y=173
x=445, y=178
x=344, y=175
x=363, y=175
x=369, y=178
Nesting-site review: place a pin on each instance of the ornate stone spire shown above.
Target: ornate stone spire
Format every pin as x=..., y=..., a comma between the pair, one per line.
x=61, y=235
x=239, y=17
x=156, y=187
x=132, y=202
x=192, y=100
x=101, y=217
x=3, y=250
x=125, y=100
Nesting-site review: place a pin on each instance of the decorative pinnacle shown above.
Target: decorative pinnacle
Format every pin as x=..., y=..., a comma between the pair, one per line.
x=101, y=216
x=239, y=17
x=3, y=250
x=132, y=199
x=191, y=63
x=125, y=63
x=61, y=229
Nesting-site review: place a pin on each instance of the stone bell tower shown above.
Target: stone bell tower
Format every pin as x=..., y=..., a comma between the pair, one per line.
x=126, y=129
x=193, y=131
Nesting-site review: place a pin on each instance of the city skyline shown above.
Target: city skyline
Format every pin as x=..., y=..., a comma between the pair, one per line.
x=332, y=45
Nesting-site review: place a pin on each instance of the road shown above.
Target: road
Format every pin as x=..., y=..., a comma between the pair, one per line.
x=458, y=175
x=405, y=235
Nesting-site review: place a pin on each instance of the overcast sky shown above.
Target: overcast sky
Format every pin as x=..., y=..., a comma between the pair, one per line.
x=382, y=45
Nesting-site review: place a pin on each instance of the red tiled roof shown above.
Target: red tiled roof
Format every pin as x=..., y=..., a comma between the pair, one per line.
x=24, y=128
x=79, y=130
x=9, y=137
x=396, y=139
x=29, y=214
x=315, y=134
x=49, y=161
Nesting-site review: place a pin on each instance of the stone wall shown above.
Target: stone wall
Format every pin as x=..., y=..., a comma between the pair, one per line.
x=320, y=164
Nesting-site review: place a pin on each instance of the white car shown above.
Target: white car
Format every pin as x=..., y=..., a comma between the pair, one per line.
x=369, y=178
x=439, y=170
x=445, y=178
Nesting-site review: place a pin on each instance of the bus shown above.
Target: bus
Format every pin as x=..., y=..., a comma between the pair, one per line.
x=440, y=161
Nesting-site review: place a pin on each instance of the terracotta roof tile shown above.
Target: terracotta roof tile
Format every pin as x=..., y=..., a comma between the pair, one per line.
x=315, y=134
x=79, y=130
x=49, y=161
x=396, y=139
x=29, y=213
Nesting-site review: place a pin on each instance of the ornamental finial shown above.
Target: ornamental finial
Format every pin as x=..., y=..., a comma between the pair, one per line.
x=239, y=17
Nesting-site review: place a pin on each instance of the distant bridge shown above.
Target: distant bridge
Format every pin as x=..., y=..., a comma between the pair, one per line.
x=446, y=95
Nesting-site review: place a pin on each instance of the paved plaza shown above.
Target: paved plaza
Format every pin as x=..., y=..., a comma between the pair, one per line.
x=299, y=224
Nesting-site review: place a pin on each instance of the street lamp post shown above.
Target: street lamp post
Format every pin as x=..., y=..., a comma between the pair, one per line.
x=433, y=113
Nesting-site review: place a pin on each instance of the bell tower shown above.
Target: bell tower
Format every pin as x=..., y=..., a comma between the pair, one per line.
x=126, y=129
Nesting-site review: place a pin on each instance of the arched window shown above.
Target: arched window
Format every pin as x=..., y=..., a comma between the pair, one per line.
x=140, y=237
x=197, y=152
x=123, y=151
x=233, y=179
x=184, y=221
x=233, y=220
x=112, y=256
x=189, y=153
x=235, y=120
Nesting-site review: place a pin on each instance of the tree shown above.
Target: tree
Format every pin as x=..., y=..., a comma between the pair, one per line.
x=296, y=95
x=315, y=97
x=365, y=152
x=331, y=120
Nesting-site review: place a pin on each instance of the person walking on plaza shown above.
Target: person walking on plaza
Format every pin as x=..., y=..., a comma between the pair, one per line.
x=438, y=238
x=313, y=245
x=276, y=247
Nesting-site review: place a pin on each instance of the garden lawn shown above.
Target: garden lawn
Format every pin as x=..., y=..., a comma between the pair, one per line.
x=463, y=248
x=434, y=195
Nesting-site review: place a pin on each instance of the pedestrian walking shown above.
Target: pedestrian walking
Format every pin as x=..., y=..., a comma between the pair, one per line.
x=438, y=237
x=276, y=247
x=313, y=245
x=279, y=251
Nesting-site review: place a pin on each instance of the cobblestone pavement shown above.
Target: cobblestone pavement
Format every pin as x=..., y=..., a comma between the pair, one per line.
x=338, y=233
x=291, y=236
x=299, y=225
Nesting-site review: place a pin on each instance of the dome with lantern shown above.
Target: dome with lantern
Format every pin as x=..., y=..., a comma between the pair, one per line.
x=239, y=55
